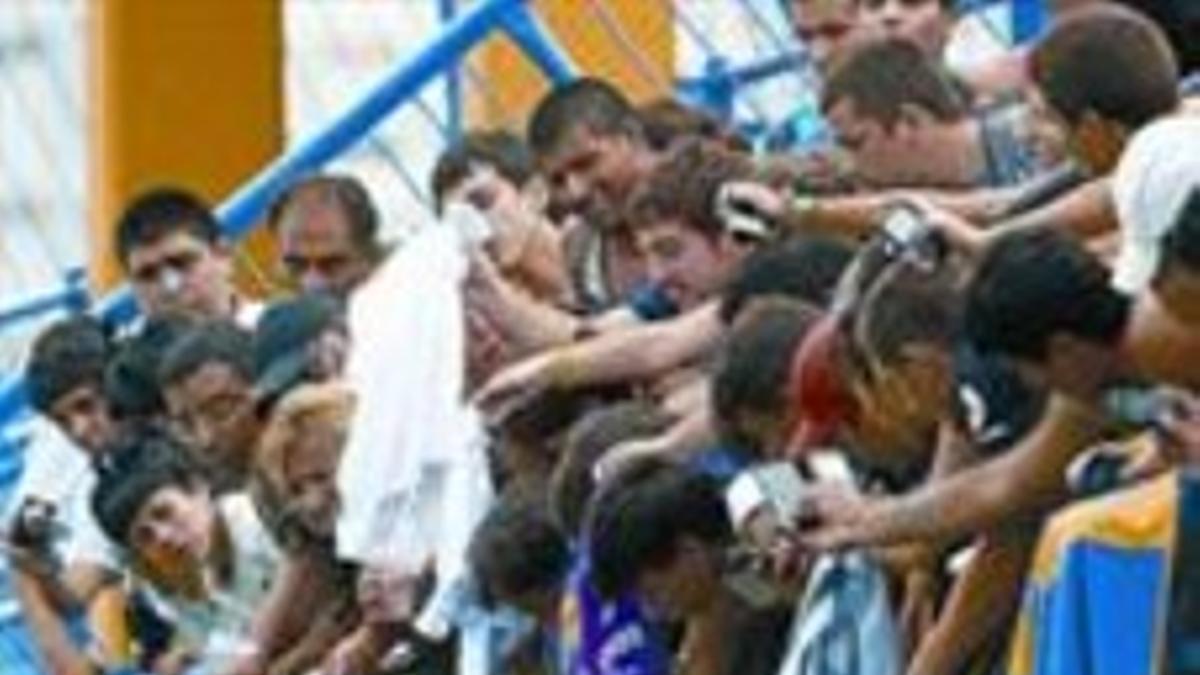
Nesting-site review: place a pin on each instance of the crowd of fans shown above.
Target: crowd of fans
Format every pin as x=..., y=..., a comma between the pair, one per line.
x=921, y=400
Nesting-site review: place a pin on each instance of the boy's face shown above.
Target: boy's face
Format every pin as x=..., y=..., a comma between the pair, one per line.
x=688, y=266
x=214, y=409
x=173, y=529
x=180, y=274
x=83, y=415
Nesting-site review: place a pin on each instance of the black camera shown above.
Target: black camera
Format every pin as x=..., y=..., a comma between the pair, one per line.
x=37, y=527
x=908, y=236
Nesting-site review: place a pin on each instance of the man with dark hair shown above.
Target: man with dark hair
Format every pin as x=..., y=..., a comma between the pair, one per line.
x=207, y=378
x=663, y=531
x=907, y=124
x=65, y=380
x=588, y=142
x=65, y=376
x=750, y=383
x=802, y=268
x=210, y=560
x=169, y=243
x=519, y=557
x=688, y=248
x=1103, y=72
x=522, y=559
x=494, y=172
x=328, y=229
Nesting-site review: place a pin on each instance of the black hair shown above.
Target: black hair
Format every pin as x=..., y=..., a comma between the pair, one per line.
x=1180, y=19
x=131, y=383
x=753, y=371
x=803, y=268
x=348, y=193
x=211, y=342
x=501, y=150
x=908, y=305
x=668, y=122
x=1032, y=285
x=685, y=186
x=882, y=77
x=69, y=354
x=640, y=517
x=573, y=481
x=1110, y=60
x=144, y=460
x=590, y=103
x=1182, y=242
x=164, y=211
x=518, y=549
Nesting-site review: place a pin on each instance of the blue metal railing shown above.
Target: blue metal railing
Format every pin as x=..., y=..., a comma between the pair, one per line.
x=72, y=296
x=246, y=206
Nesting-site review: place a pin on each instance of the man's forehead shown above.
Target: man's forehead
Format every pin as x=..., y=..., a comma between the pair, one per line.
x=170, y=242
x=812, y=11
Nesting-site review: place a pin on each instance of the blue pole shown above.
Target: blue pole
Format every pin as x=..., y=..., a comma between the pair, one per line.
x=242, y=210
x=71, y=297
x=528, y=33
x=454, y=113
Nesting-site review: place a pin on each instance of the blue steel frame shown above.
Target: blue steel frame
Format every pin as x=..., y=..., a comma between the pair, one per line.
x=246, y=206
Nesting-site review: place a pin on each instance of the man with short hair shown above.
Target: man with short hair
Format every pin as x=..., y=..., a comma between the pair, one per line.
x=906, y=124
x=664, y=531
x=210, y=559
x=169, y=243
x=1076, y=69
x=589, y=143
x=328, y=229
x=208, y=379
x=65, y=380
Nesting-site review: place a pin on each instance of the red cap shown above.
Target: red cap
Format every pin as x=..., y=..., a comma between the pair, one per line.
x=822, y=404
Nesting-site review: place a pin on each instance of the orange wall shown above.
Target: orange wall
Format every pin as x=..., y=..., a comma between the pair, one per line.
x=183, y=91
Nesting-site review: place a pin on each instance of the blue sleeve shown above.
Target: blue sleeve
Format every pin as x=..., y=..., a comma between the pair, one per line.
x=650, y=303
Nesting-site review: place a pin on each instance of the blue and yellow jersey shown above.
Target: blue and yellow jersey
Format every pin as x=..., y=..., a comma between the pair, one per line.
x=1099, y=584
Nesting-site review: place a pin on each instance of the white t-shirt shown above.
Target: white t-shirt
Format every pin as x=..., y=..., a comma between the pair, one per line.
x=218, y=627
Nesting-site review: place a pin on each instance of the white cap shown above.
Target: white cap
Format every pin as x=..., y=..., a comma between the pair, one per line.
x=1158, y=171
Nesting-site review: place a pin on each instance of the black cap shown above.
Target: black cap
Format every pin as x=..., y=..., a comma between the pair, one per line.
x=281, y=340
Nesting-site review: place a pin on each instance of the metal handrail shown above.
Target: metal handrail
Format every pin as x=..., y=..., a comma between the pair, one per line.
x=245, y=207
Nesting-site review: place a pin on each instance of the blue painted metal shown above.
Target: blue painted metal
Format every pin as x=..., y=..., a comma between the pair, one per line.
x=1029, y=18
x=72, y=297
x=454, y=98
x=717, y=88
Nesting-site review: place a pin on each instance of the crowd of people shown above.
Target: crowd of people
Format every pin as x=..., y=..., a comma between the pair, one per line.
x=920, y=399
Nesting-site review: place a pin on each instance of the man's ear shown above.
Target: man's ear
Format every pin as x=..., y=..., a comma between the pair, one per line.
x=912, y=118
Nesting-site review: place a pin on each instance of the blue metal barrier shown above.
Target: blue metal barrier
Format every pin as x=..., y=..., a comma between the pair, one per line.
x=72, y=296
x=240, y=212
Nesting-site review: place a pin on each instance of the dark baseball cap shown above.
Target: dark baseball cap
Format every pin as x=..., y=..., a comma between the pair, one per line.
x=282, y=339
